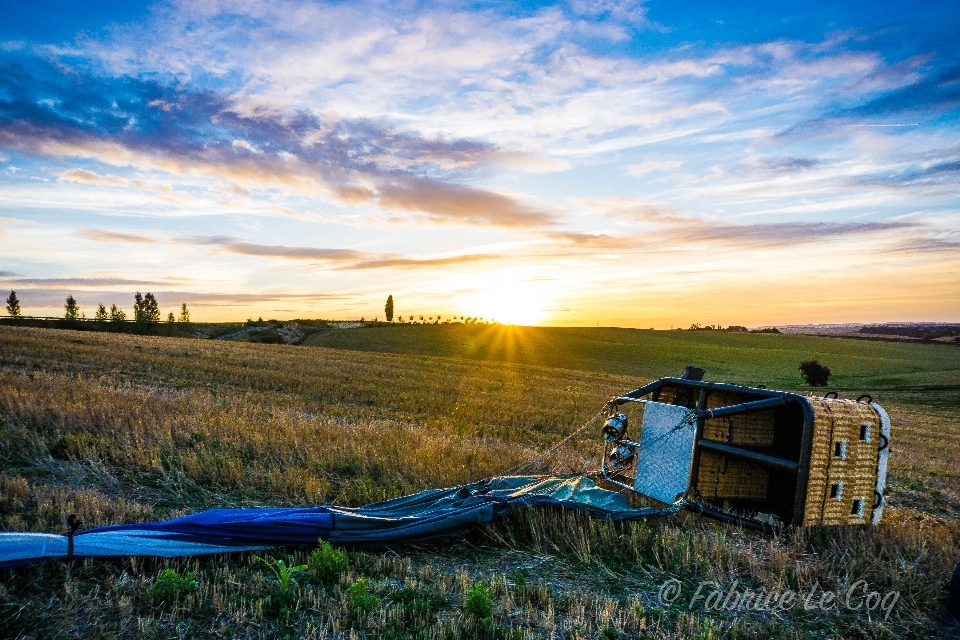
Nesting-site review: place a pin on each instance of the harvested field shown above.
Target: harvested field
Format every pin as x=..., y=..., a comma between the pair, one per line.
x=122, y=428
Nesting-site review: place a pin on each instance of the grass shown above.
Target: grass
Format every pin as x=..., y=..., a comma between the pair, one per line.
x=122, y=428
x=745, y=358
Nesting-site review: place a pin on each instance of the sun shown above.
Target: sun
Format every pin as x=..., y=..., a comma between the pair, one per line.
x=510, y=302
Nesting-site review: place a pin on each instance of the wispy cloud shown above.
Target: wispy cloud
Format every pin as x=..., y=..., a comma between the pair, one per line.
x=653, y=166
x=108, y=281
x=423, y=263
x=90, y=177
x=788, y=234
x=229, y=245
x=106, y=235
x=342, y=259
x=55, y=113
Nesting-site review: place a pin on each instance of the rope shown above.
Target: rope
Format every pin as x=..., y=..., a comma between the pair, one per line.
x=533, y=460
x=687, y=420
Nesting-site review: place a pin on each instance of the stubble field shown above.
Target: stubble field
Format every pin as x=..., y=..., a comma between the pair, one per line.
x=122, y=428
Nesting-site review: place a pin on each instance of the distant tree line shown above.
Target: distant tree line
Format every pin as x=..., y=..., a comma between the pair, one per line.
x=923, y=331
x=736, y=328
x=146, y=310
x=388, y=311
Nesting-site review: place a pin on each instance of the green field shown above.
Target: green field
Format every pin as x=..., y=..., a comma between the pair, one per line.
x=124, y=428
x=743, y=358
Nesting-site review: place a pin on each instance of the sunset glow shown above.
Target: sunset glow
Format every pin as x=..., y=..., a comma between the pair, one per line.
x=510, y=302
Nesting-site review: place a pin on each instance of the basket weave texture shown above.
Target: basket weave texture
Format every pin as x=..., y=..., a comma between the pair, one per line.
x=751, y=429
x=720, y=476
x=843, y=466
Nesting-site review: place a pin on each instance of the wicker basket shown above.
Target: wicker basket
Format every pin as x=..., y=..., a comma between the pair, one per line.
x=761, y=452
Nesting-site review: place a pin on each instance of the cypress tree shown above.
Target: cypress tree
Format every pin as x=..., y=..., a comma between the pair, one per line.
x=388, y=308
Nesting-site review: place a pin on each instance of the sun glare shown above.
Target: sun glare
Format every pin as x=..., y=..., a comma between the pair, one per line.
x=520, y=303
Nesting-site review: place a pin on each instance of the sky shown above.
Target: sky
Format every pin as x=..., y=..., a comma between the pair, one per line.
x=636, y=164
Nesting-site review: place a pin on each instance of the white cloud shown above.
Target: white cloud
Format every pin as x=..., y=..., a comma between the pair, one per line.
x=659, y=166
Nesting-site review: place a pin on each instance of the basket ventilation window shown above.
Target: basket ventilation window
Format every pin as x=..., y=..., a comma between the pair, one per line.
x=865, y=431
x=836, y=490
x=857, y=509
x=840, y=449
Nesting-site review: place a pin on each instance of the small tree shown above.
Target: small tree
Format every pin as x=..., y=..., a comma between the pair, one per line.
x=71, y=310
x=814, y=373
x=13, y=304
x=117, y=314
x=185, y=313
x=102, y=315
x=171, y=318
x=138, y=307
x=145, y=308
x=150, y=308
x=388, y=308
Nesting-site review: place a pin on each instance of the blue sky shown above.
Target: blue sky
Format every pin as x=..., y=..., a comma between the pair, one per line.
x=621, y=163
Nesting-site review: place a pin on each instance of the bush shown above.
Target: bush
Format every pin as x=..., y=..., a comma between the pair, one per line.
x=361, y=600
x=170, y=585
x=478, y=603
x=814, y=373
x=328, y=563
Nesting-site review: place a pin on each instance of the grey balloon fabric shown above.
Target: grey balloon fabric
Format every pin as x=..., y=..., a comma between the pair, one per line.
x=414, y=518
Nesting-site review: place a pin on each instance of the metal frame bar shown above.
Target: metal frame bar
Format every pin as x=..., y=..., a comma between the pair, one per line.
x=743, y=407
x=752, y=456
x=608, y=477
x=716, y=514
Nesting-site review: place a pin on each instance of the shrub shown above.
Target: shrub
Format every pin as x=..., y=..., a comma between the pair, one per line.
x=328, y=563
x=361, y=600
x=814, y=373
x=170, y=585
x=478, y=603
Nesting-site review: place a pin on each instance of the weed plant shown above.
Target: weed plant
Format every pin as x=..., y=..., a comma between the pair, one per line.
x=328, y=563
x=170, y=586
